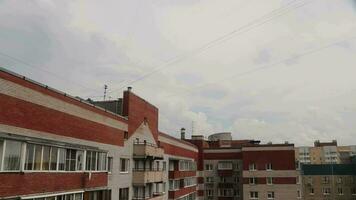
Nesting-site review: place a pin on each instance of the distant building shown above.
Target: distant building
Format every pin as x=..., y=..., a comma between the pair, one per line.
x=324, y=153
x=329, y=181
x=244, y=169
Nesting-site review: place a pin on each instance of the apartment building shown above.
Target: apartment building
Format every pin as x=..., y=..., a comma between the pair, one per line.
x=57, y=147
x=329, y=181
x=244, y=169
x=269, y=172
x=325, y=153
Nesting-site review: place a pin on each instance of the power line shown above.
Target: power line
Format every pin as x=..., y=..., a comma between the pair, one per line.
x=251, y=71
x=249, y=26
x=43, y=70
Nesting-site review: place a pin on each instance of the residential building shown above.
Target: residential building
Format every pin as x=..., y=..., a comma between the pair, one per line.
x=244, y=169
x=324, y=153
x=57, y=147
x=269, y=172
x=329, y=181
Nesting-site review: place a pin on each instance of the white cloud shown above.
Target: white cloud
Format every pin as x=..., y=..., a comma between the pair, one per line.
x=305, y=98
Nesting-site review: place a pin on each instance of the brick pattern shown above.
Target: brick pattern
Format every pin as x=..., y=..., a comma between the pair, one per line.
x=25, y=90
x=181, y=174
x=20, y=113
x=276, y=180
x=181, y=192
x=280, y=159
x=32, y=183
x=138, y=110
x=177, y=151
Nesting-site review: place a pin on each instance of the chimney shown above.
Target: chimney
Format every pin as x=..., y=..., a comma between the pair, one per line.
x=182, y=133
x=129, y=88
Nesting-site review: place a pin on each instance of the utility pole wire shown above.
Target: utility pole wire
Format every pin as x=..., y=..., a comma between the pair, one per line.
x=43, y=70
x=249, y=26
x=251, y=71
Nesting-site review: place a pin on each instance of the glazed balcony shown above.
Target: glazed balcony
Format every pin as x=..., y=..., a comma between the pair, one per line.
x=144, y=176
x=181, y=174
x=226, y=185
x=145, y=149
x=225, y=172
x=154, y=196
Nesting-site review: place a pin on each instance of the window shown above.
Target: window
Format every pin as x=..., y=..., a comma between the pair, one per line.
x=208, y=167
x=325, y=180
x=209, y=193
x=269, y=180
x=70, y=159
x=269, y=166
x=62, y=159
x=326, y=191
x=226, y=192
x=164, y=165
x=101, y=161
x=124, y=165
x=171, y=166
x=252, y=167
x=110, y=164
x=46, y=153
x=253, y=181
x=222, y=179
x=186, y=165
x=95, y=161
x=12, y=155
x=54, y=158
x=353, y=191
x=190, y=181
x=339, y=180
x=74, y=196
x=311, y=191
x=126, y=135
x=225, y=165
x=253, y=195
x=340, y=191
x=299, y=195
x=80, y=158
x=237, y=179
x=124, y=194
x=174, y=185
x=209, y=179
x=270, y=195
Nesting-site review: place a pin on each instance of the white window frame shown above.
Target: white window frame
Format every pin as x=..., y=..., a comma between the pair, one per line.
x=270, y=195
x=252, y=167
x=127, y=164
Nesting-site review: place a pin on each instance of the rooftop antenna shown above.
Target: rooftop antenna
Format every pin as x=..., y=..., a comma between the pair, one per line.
x=105, y=88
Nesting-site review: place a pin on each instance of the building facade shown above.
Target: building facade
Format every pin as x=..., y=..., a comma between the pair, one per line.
x=244, y=169
x=329, y=182
x=57, y=147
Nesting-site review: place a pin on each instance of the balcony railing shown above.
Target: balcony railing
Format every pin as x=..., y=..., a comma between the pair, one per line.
x=145, y=149
x=225, y=172
x=143, y=176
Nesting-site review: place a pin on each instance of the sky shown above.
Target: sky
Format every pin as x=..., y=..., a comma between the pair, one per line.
x=275, y=71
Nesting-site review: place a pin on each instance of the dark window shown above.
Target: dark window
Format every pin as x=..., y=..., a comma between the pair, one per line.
x=124, y=194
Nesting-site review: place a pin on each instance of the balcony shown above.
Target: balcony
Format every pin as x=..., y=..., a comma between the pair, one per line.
x=225, y=172
x=143, y=176
x=181, y=174
x=154, y=196
x=226, y=185
x=144, y=150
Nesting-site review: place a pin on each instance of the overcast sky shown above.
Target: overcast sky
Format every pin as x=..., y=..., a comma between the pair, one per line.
x=276, y=70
